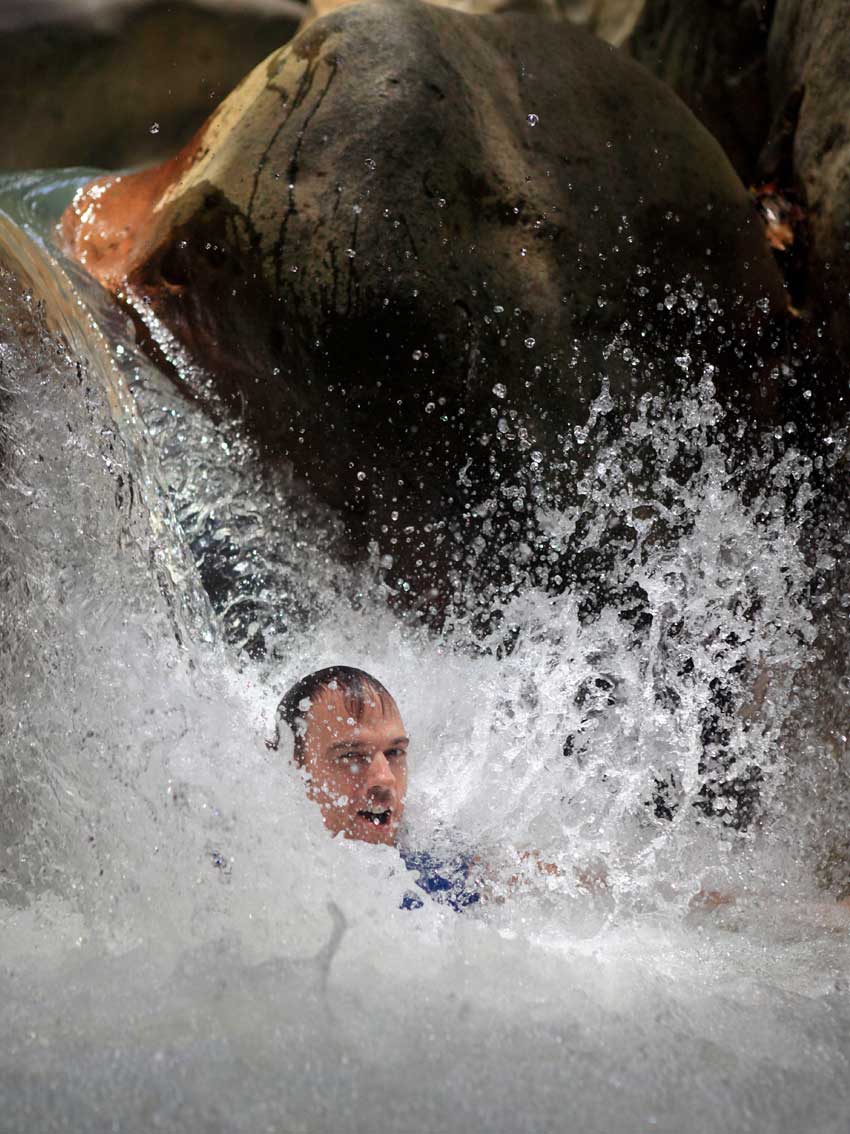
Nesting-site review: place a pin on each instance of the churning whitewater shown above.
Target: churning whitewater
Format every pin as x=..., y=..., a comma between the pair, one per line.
x=184, y=947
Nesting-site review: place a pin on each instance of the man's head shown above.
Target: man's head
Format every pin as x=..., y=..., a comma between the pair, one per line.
x=350, y=740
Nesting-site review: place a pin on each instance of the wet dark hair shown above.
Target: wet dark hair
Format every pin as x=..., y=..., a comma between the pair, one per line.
x=357, y=687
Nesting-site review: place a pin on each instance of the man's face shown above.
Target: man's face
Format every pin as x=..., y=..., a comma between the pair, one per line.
x=357, y=769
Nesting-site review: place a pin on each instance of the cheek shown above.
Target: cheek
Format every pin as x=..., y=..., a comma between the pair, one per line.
x=325, y=781
x=340, y=782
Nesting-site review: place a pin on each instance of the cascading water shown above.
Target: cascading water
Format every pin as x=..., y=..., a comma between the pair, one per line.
x=183, y=946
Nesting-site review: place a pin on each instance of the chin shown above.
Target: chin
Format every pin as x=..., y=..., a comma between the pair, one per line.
x=364, y=831
x=385, y=838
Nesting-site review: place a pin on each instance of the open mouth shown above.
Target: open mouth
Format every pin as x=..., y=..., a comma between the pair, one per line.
x=380, y=817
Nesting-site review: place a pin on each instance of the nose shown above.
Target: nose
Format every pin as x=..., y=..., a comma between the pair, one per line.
x=381, y=775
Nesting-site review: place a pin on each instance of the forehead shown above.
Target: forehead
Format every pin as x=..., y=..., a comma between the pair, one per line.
x=330, y=718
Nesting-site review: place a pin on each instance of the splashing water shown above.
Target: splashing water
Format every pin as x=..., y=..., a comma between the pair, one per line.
x=183, y=945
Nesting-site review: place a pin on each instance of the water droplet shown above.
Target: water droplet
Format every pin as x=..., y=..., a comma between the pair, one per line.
x=430, y=407
x=529, y=342
x=441, y=202
x=417, y=354
x=154, y=127
x=500, y=390
x=350, y=253
x=371, y=163
x=498, y=309
x=532, y=119
x=361, y=475
x=523, y=251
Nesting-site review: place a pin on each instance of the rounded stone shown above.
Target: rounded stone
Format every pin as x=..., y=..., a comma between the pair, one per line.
x=369, y=226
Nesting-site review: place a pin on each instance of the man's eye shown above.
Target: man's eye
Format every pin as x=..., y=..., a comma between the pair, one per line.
x=352, y=758
x=395, y=753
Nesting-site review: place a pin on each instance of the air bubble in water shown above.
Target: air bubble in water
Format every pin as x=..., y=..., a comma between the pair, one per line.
x=500, y=390
x=532, y=119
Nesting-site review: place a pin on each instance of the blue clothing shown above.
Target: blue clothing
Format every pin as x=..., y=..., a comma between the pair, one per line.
x=449, y=882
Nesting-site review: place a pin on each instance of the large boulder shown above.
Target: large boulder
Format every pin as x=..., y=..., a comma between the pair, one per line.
x=409, y=249
x=612, y=20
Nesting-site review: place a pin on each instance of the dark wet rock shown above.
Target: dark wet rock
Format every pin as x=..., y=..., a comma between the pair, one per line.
x=713, y=54
x=809, y=146
x=769, y=79
x=410, y=244
x=80, y=91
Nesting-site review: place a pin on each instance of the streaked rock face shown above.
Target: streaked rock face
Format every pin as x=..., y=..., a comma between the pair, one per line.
x=807, y=56
x=712, y=53
x=402, y=248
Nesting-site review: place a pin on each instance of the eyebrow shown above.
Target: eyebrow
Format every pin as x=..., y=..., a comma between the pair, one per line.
x=347, y=745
